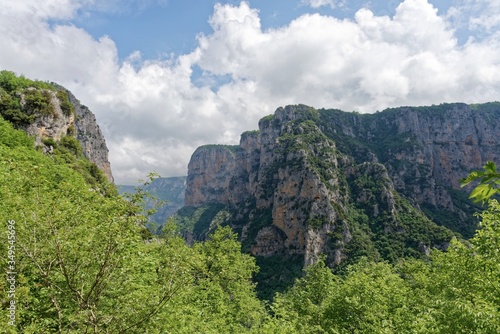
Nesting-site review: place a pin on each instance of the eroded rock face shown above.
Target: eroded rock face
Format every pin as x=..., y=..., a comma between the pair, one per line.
x=327, y=182
x=81, y=124
x=53, y=126
x=90, y=137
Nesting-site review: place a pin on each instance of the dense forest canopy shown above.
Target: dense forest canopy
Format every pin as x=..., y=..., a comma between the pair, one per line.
x=78, y=259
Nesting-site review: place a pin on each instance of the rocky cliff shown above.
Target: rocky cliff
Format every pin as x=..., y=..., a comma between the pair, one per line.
x=311, y=182
x=90, y=137
x=59, y=122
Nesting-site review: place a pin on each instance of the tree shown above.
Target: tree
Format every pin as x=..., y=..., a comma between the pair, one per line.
x=489, y=184
x=81, y=263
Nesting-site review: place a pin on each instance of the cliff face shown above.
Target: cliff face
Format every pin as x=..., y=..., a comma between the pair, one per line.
x=53, y=125
x=313, y=182
x=81, y=124
x=426, y=150
x=90, y=137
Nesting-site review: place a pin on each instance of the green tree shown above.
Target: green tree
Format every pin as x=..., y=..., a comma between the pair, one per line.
x=489, y=184
x=81, y=261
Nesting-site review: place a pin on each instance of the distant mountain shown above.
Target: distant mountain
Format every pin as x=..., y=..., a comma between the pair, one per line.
x=346, y=185
x=169, y=189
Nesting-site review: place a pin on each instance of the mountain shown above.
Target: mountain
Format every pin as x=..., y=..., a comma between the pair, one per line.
x=169, y=190
x=344, y=184
x=90, y=136
x=55, y=118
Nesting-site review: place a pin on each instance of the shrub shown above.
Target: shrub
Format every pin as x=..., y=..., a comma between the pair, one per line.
x=72, y=144
x=38, y=102
x=66, y=106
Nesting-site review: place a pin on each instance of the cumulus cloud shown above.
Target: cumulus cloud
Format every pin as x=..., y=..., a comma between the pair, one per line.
x=155, y=113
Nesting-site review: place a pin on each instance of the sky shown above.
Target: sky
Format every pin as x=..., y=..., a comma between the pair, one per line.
x=166, y=76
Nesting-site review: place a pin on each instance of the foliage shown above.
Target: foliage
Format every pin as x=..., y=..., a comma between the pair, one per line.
x=277, y=274
x=489, y=182
x=38, y=102
x=457, y=291
x=22, y=99
x=10, y=82
x=72, y=145
x=66, y=106
x=13, y=138
x=73, y=245
x=82, y=265
x=200, y=221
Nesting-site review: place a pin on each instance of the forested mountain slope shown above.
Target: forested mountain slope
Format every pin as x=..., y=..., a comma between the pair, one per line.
x=312, y=182
x=167, y=196
x=78, y=259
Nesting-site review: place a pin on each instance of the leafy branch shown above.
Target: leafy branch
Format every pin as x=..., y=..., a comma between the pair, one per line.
x=489, y=183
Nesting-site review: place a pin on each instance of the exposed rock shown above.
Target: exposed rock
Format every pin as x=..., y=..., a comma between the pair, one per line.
x=342, y=184
x=82, y=124
x=53, y=126
x=90, y=137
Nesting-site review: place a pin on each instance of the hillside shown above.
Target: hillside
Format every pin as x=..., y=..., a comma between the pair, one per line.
x=56, y=120
x=347, y=185
x=78, y=258
x=168, y=190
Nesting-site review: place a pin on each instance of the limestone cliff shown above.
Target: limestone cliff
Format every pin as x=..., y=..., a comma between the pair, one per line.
x=90, y=137
x=80, y=123
x=312, y=182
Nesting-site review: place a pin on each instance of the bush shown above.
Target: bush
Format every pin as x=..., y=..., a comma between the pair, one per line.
x=38, y=102
x=49, y=142
x=66, y=106
x=72, y=144
x=71, y=131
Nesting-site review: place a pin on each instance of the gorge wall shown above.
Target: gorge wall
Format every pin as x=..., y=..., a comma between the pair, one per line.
x=81, y=124
x=311, y=182
x=90, y=137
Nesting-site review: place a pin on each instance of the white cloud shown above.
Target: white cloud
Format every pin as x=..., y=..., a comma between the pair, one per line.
x=53, y=9
x=155, y=113
x=480, y=16
x=320, y=3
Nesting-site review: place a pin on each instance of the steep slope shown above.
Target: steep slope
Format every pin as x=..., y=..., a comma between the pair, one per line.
x=51, y=114
x=311, y=182
x=90, y=136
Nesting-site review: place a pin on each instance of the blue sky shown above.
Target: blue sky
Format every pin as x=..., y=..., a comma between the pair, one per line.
x=166, y=76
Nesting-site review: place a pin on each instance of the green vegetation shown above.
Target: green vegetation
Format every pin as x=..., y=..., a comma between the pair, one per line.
x=37, y=102
x=10, y=82
x=85, y=263
x=164, y=196
x=453, y=292
x=82, y=265
x=230, y=148
x=200, y=221
x=66, y=106
x=489, y=182
x=23, y=100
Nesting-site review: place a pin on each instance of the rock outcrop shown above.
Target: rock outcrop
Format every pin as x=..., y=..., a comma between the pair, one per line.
x=81, y=123
x=54, y=125
x=313, y=182
x=90, y=137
